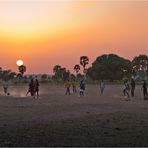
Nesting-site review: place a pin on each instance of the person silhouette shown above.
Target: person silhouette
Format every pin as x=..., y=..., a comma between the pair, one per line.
x=102, y=87
x=31, y=88
x=36, y=88
x=144, y=88
x=133, y=87
x=126, y=88
x=82, y=88
x=5, y=86
x=67, y=86
x=74, y=86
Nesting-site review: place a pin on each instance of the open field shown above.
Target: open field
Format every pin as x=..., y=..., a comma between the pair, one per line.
x=58, y=120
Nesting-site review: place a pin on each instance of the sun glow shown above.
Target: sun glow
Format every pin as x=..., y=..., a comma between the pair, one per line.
x=60, y=31
x=19, y=63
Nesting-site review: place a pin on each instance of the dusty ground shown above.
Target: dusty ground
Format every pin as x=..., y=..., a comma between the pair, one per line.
x=58, y=120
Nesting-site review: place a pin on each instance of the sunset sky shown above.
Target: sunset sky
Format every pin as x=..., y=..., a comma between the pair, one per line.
x=46, y=33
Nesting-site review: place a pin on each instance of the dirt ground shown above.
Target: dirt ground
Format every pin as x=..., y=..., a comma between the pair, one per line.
x=58, y=120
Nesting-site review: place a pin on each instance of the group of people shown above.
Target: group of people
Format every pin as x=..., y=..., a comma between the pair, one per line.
x=127, y=87
x=82, y=87
x=73, y=84
x=33, y=88
x=130, y=88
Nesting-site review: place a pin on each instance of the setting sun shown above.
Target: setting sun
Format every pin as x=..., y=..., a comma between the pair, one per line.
x=19, y=63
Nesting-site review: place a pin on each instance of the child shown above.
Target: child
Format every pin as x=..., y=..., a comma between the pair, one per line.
x=31, y=88
x=36, y=87
x=5, y=87
x=132, y=87
x=126, y=89
x=144, y=87
x=67, y=86
x=74, y=87
x=82, y=88
x=102, y=86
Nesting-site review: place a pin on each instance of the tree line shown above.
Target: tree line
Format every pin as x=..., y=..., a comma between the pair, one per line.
x=108, y=67
x=113, y=67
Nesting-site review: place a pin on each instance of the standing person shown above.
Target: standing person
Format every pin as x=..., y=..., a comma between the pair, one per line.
x=5, y=87
x=144, y=87
x=74, y=86
x=31, y=88
x=132, y=87
x=67, y=86
x=82, y=88
x=126, y=88
x=36, y=88
x=102, y=86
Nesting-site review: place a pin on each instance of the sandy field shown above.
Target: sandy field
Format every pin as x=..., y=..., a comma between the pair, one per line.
x=58, y=120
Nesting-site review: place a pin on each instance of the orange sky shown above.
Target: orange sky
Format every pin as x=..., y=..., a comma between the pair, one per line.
x=46, y=33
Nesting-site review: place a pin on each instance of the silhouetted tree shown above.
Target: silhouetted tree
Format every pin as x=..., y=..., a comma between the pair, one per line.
x=80, y=76
x=44, y=76
x=22, y=69
x=57, y=72
x=7, y=75
x=66, y=75
x=56, y=68
x=61, y=73
x=84, y=60
x=72, y=77
x=140, y=66
x=76, y=68
x=109, y=67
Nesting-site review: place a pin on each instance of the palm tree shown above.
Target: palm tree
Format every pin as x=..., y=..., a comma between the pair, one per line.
x=77, y=68
x=57, y=71
x=56, y=68
x=22, y=69
x=84, y=60
x=62, y=72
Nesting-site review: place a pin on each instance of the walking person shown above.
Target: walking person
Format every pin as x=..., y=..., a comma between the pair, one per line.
x=82, y=88
x=67, y=86
x=102, y=87
x=74, y=86
x=31, y=88
x=144, y=88
x=5, y=87
x=133, y=87
x=36, y=88
x=126, y=88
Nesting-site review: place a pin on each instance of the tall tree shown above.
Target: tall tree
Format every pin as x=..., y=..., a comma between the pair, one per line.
x=109, y=67
x=57, y=71
x=140, y=66
x=44, y=76
x=84, y=60
x=76, y=68
x=7, y=75
x=22, y=69
x=61, y=73
x=56, y=68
